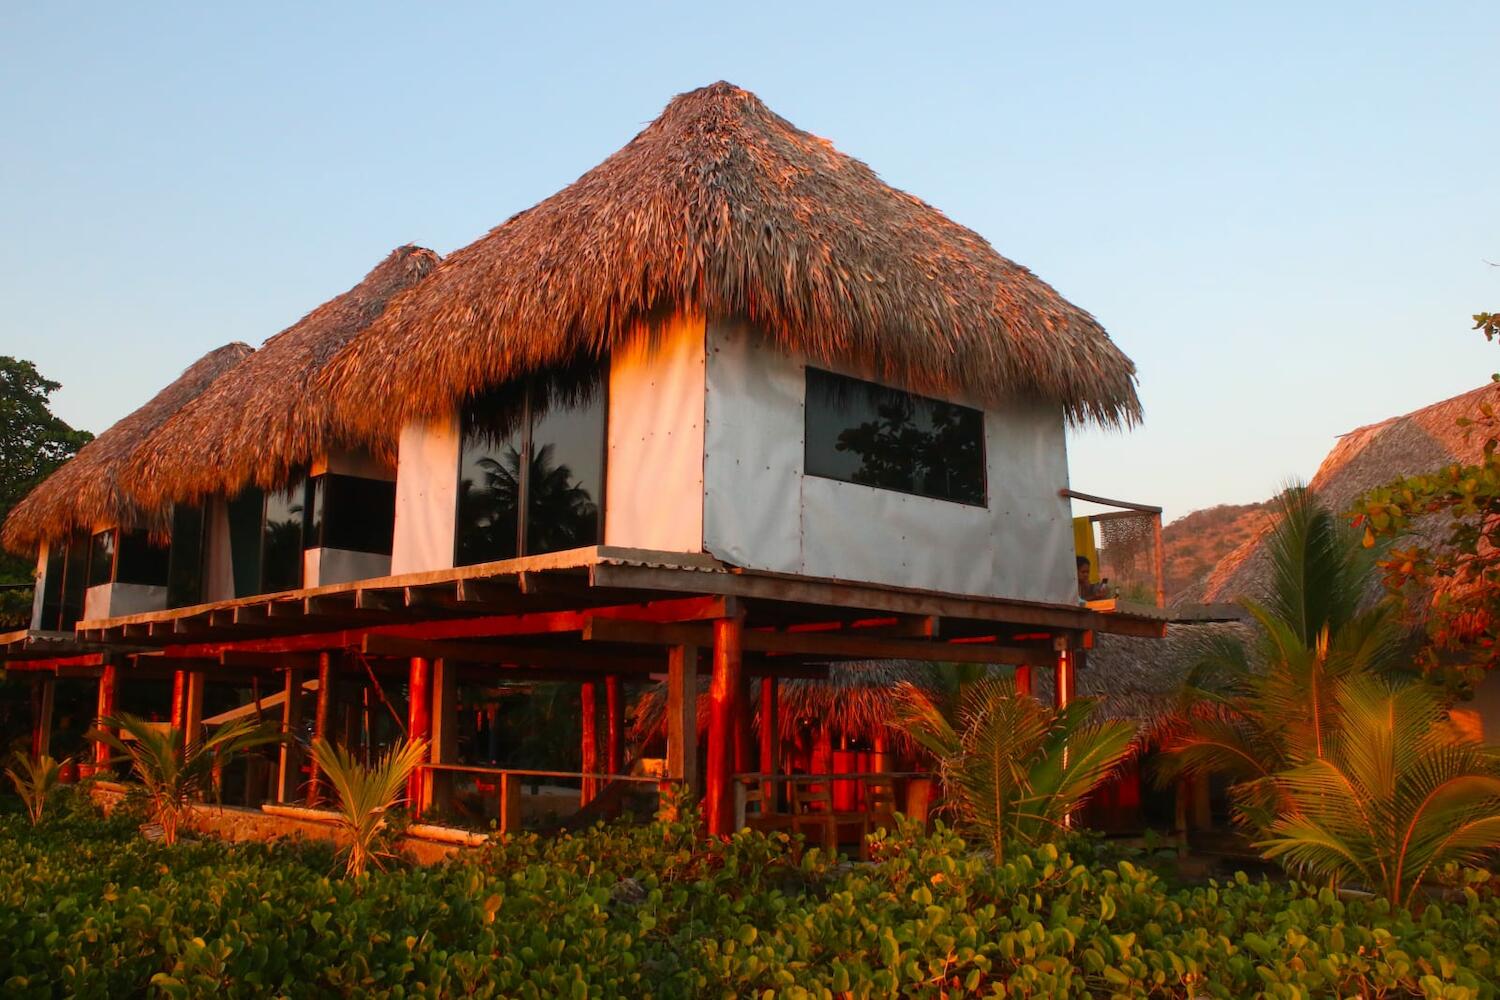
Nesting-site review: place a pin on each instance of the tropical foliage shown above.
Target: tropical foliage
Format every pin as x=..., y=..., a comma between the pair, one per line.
x=90, y=909
x=175, y=771
x=1397, y=793
x=34, y=778
x=1013, y=769
x=1256, y=709
x=366, y=795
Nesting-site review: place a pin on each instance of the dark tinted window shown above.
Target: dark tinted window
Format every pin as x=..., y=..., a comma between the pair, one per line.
x=75, y=582
x=246, y=513
x=489, y=484
x=281, y=547
x=140, y=560
x=565, y=485
x=350, y=512
x=185, y=575
x=102, y=558
x=860, y=432
x=544, y=444
x=52, y=586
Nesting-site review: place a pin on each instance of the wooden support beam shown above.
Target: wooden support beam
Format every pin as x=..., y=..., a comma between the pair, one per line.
x=44, y=694
x=614, y=725
x=438, y=793
x=270, y=661
x=289, y=768
x=320, y=722
x=508, y=654
x=682, y=717
x=179, y=698
x=810, y=643
x=1064, y=679
x=728, y=634
x=192, y=706
x=418, y=722
x=380, y=599
x=589, y=756
x=108, y=683
x=1023, y=679
x=770, y=738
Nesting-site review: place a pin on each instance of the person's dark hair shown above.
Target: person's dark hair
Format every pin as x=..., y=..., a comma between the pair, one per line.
x=1085, y=561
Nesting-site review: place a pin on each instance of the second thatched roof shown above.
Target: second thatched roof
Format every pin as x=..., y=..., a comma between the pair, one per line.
x=723, y=209
x=265, y=420
x=90, y=489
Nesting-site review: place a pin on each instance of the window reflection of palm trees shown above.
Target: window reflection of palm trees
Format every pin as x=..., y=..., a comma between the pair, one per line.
x=561, y=513
x=946, y=459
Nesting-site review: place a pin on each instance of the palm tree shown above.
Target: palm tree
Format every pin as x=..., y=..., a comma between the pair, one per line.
x=1253, y=710
x=366, y=794
x=176, y=771
x=34, y=778
x=1012, y=768
x=1396, y=791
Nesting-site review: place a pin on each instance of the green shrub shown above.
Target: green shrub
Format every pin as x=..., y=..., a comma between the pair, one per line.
x=87, y=908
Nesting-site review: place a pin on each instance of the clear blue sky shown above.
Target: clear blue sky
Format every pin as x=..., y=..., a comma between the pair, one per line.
x=1281, y=212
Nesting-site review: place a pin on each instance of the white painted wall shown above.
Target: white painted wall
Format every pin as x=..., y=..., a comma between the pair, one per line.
x=218, y=564
x=110, y=600
x=38, y=590
x=654, y=470
x=426, y=496
x=323, y=566
x=760, y=511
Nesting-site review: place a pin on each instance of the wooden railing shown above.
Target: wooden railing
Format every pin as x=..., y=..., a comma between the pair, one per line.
x=1127, y=510
x=918, y=787
x=509, y=781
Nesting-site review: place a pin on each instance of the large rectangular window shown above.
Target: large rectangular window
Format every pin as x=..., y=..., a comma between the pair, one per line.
x=861, y=432
x=247, y=511
x=101, y=558
x=531, y=473
x=350, y=512
x=281, y=539
x=185, y=570
x=64, y=585
x=141, y=560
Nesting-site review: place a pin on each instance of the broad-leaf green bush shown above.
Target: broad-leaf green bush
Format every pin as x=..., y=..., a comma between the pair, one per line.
x=88, y=908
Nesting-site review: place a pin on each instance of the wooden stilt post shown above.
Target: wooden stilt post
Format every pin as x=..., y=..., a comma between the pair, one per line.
x=289, y=768
x=320, y=722
x=437, y=791
x=44, y=695
x=192, y=706
x=682, y=717
x=590, y=756
x=770, y=738
x=744, y=726
x=179, y=697
x=1063, y=679
x=722, y=693
x=1023, y=680
x=614, y=730
x=418, y=723
x=109, y=678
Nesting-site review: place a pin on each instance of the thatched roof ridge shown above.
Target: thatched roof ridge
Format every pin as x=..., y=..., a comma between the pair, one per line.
x=90, y=488
x=1423, y=440
x=1139, y=679
x=262, y=422
x=721, y=208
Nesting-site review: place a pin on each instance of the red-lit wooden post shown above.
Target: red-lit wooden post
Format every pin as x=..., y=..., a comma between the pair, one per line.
x=744, y=735
x=108, y=679
x=437, y=790
x=614, y=732
x=289, y=766
x=179, y=697
x=1063, y=679
x=43, y=694
x=418, y=723
x=770, y=738
x=722, y=695
x=682, y=717
x=192, y=705
x=1023, y=680
x=589, y=747
x=320, y=722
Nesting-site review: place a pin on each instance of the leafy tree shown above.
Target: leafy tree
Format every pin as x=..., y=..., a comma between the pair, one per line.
x=1257, y=709
x=33, y=442
x=176, y=771
x=1461, y=573
x=1013, y=769
x=1397, y=793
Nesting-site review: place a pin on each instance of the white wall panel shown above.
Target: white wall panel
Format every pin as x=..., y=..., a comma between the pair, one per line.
x=654, y=474
x=426, y=496
x=322, y=566
x=111, y=600
x=39, y=590
x=218, y=559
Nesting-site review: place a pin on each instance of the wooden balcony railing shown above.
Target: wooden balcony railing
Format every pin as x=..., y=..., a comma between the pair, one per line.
x=1129, y=543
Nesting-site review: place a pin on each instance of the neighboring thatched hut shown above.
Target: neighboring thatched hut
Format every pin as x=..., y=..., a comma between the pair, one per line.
x=89, y=494
x=263, y=425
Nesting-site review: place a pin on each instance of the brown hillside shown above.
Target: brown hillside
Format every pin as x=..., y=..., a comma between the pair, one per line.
x=1195, y=543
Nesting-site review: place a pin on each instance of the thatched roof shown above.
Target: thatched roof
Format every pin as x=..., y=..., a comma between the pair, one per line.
x=856, y=699
x=1422, y=441
x=262, y=422
x=89, y=489
x=721, y=208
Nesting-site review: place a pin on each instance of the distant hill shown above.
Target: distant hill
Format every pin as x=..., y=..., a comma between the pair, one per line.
x=1195, y=542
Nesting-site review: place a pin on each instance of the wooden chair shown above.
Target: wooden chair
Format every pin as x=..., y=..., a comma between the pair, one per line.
x=761, y=815
x=880, y=802
x=812, y=808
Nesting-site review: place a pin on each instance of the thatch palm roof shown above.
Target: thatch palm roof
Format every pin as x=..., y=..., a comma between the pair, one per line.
x=263, y=421
x=90, y=488
x=721, y=208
